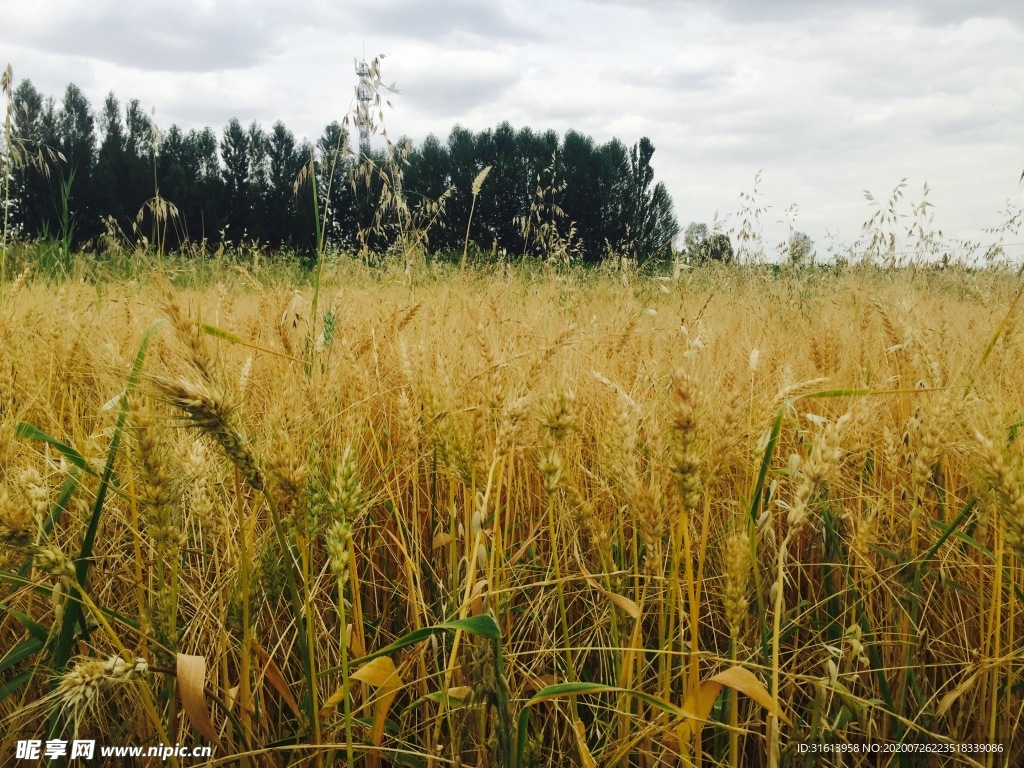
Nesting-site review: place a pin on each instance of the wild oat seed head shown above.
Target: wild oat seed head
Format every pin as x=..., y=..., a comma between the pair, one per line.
x=478, y=181
x=121, y=671
x=857, y=653
x=864, y=535
x=823, y=461
x=57, y=594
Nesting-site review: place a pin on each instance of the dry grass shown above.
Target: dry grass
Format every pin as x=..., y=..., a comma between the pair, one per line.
x=638, y=483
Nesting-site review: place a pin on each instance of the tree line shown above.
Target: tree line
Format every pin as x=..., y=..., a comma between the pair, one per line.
x=113, y=170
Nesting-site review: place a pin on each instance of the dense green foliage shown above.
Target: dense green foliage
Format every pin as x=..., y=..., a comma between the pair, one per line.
x=118, y=174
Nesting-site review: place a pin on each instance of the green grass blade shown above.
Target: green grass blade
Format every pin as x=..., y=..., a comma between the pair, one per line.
x=756, y=498
x=26, y=431
x=33, y=627
x=28, y=647
x=766, y=461
x=483, y=626
x=15, y=683
x=73, y=612
x=949, y=530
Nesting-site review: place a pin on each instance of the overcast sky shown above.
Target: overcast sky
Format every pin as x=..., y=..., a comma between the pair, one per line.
x=826, y=100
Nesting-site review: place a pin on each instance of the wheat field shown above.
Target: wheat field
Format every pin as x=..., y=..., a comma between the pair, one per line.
x=509, y=517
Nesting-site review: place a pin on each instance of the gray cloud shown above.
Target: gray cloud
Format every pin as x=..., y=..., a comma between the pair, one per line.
x=164, y=35
x=455, y=92
x=930, y=12
x=442, y=22
x=452, y=81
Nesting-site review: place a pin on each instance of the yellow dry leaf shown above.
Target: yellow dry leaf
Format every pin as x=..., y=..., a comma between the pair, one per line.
x=276, y=678
x=381, y=674
x=630, y=607
x=191, y=674
x=459, y=692
x=746, y=682
x=333, y=701
x=950, y=698
x=581, y=744
x=702, y=698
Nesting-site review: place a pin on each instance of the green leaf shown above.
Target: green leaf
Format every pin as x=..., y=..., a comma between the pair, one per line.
x=26, y=431
x=14, y=684
x=766, y=461
x=484, y=626
x=950, y=529
x=28, y=647
x=73, y=611
x=34, y=628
